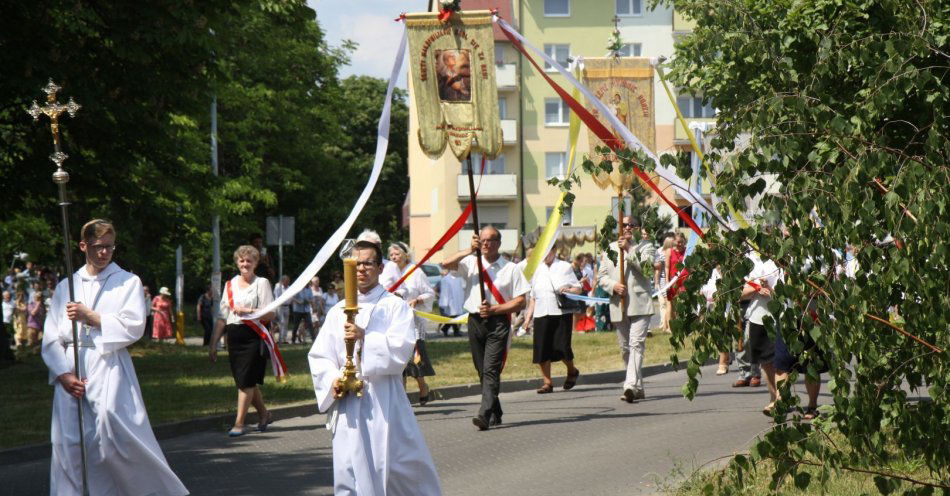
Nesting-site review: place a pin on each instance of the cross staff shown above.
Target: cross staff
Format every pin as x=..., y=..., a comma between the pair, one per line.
x=53, y=110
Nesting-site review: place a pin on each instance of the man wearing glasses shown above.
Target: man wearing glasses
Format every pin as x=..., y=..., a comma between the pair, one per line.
x=123, y=456
x=489, y=320
x=377, y=445
x=631, y=305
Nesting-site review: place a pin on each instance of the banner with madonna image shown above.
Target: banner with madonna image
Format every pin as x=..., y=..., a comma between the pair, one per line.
x=452, y=60
x=625, y=86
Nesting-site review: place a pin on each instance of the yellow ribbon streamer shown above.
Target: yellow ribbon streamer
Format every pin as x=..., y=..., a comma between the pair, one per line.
x=699, y=153
x=461, y=319
x=550, y=229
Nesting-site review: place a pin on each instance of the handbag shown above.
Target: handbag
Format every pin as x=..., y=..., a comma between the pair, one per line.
x=566, y=304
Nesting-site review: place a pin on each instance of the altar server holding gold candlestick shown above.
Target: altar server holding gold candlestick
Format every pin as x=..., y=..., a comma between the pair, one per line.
x=378, y=448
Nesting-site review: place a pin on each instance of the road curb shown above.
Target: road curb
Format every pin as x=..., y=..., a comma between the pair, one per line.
x=221, y=422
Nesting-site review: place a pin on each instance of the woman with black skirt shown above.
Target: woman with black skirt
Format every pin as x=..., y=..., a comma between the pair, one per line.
x=552, y=326
x=416, y=291
x=247, y=353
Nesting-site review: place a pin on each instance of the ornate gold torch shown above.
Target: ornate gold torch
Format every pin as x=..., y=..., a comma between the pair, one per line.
x=53, y=109
x=349, y=383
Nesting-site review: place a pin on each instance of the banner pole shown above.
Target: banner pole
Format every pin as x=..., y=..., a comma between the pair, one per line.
x=620, y=251
x=471, y=195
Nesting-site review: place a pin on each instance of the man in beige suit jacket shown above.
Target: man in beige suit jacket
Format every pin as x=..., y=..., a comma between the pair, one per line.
x=633, y=321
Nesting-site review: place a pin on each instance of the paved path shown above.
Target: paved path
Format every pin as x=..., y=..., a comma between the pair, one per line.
x=584, y=441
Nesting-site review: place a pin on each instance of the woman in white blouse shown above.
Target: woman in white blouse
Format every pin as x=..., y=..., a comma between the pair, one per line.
x=247, y=353
x=415, y=291
x=552, y=326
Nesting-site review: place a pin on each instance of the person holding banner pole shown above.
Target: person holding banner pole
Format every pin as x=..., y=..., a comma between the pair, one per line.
x=631, y=305
x=243, y=295
x=489, y=324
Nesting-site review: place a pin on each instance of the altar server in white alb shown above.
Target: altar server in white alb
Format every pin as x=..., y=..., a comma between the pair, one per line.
x=378, y=448
x=123, y=457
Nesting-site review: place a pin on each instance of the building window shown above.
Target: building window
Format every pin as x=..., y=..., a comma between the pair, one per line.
x=631, y=50
x=567, y=216
x=556, y=112
x=692, y=107
x=560, y=52
x=494, y=166
x=627, y=201
x=499, y=54
x=490, y=215
x=688, y=209
x=555, y=164
x=502, y=108
x=629, y=7
x=557, y=8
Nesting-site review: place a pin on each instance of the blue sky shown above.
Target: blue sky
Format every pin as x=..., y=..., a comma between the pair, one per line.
x=370, y=24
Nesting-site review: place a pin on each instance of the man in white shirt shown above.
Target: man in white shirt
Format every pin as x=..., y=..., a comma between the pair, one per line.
x=451, y=298
x=489, y=324
x=378, y=448
x=123, y=456
x=6, y=355
x=300, y=312
x=283, y=311
x=757, y=290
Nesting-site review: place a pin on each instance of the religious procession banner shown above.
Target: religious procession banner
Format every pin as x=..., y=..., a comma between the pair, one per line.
x=452, y=64
x=625, y=86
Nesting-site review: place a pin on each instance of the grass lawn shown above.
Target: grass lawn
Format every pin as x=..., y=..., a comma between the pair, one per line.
x=843, y=483
x=180, y=382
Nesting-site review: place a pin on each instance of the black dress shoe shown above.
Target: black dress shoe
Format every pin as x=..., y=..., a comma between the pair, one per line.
x=480, y=422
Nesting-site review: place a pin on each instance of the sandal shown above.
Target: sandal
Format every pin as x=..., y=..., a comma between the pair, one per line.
x=545, y=389
x=811, y=413
x=571, y=380
x=767, y=411
x=424, y=399
x=262, y=425
x=236, y=431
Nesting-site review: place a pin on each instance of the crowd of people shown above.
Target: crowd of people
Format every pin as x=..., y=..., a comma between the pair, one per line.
x=479, y=285
x=27, y=292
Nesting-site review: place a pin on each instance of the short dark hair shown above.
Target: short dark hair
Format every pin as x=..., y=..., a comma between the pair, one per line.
x=368, y=245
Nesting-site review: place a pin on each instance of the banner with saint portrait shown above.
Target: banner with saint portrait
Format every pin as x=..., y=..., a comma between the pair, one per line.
x=625, y=86
x=453, y=79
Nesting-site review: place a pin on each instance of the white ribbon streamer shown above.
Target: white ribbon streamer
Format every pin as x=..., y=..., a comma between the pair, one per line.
x=329, y=248
x=586, y=299
x=681, y=187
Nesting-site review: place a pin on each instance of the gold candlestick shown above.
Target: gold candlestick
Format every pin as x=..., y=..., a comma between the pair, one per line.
x=349, y=382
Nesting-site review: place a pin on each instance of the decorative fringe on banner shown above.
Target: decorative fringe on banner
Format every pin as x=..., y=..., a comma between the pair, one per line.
x=329, y=248
x=608, y=137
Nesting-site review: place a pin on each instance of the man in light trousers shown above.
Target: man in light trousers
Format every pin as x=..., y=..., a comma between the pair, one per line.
x=631, y=305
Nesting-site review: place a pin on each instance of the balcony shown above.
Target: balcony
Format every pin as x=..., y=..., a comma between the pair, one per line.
x=490, y=186
x=509, y=239
x=507, y=77
x=679, y=135
x=509, y=131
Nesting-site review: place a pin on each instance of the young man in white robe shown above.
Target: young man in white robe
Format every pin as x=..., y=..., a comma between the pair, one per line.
x=378, y=448
x=123, y=457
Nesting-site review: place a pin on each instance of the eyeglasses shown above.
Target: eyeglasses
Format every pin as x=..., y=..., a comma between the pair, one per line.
x=102, y=248
x=628, y=224
x=367, y=264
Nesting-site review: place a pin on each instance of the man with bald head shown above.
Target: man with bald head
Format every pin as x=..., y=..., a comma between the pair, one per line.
x=489, y=319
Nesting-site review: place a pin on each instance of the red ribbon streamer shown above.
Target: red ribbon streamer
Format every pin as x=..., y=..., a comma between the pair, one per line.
x=451, y=232
x=603, y=133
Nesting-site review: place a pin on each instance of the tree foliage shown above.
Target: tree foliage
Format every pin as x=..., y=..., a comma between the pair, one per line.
x=844, y=105
x=292, y=138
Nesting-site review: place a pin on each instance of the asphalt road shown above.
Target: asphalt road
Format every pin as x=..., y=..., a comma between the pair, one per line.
x=584, y=441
